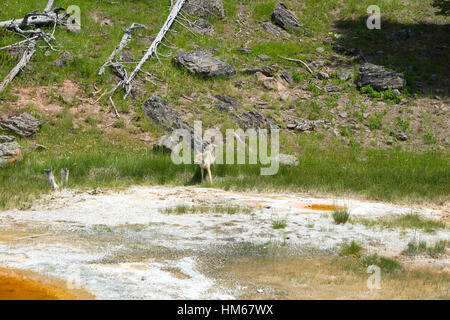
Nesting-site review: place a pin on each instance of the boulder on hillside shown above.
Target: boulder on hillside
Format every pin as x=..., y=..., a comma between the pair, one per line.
x=159, y=112
x=305, y=124
x=226, y=103
x=202, y=63
x=379, y=78
x=10, y=151
x=24, y=124
x=205, y=8
x=288, y=160
x=285, y=18
x=203, y=27
x=253, y=120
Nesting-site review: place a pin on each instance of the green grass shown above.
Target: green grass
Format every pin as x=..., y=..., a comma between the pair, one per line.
x=407, y=221
x=415, y=248
x=387, y=265
x=351, y=249
x=340, y=215
x=98, y=158
x=279, y=224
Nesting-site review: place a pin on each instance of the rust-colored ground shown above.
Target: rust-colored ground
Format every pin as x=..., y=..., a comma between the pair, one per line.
x=18, y=285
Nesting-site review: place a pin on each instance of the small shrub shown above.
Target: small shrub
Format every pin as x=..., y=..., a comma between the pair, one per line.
x=279, y=224
x=413, y=248
x=341, y=215
x=438, y=249
x=388, y=265
x=119, y=124
x=351, y=249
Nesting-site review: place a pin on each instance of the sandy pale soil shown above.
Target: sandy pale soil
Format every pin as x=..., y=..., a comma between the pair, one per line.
x=124, y=246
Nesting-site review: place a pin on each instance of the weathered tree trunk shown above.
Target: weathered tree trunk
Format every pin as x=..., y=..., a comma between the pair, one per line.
x=26, y=57
x=127, y=35
x=154, y=46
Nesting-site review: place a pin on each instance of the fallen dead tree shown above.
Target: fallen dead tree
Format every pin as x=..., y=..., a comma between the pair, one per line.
x=127, y=36
x=34, y=20
x=26, y=57
x=39, y=19
x=126, y=81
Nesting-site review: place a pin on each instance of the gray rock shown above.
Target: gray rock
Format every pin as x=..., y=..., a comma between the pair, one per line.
x=6, y=139
x=253, y=119
x=205, y=8
x=271, y=29
x=64, y=59
x=226, y=103
x=305, y=124
x=268, y=71
x=203, y=27
x=285, y=18
x=288, y=160
x=344, y=76
x=159, y=112
x=202, y=63
x=10, y=151
x=396, y=92
x=286, y=75
x=24, y=124
x=343, y=115
x=263, y=57
x=379, y=78
x=317, y=64
x=332, y=88
x=399, y=135
x=243, y=50
x=323, y=75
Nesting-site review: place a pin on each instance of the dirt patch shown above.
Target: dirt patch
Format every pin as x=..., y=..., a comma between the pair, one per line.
x=326, y=278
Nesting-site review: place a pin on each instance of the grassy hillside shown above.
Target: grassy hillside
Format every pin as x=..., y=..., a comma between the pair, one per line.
x=355, y=155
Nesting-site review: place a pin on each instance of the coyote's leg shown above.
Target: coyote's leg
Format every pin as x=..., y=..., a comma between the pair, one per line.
x=201, y=170
x=209, y=174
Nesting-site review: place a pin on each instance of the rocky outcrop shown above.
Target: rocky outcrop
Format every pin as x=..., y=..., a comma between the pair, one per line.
x=253, y=120
x=24, y=124
x=226, y=104
x=159, y=112
x=9, y=150
x=203, y=27
x=379, y=78
x=305, y=124
x=285, y=18
x=268, y=71
x=274, y=30
x=205, y=8
x=288, y=77
x=202, y=63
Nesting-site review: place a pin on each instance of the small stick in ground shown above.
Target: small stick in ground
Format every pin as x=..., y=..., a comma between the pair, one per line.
x=299, y=61
x=115, y=109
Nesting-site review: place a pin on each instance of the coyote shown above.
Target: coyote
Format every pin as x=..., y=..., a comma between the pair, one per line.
x=205, y=159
